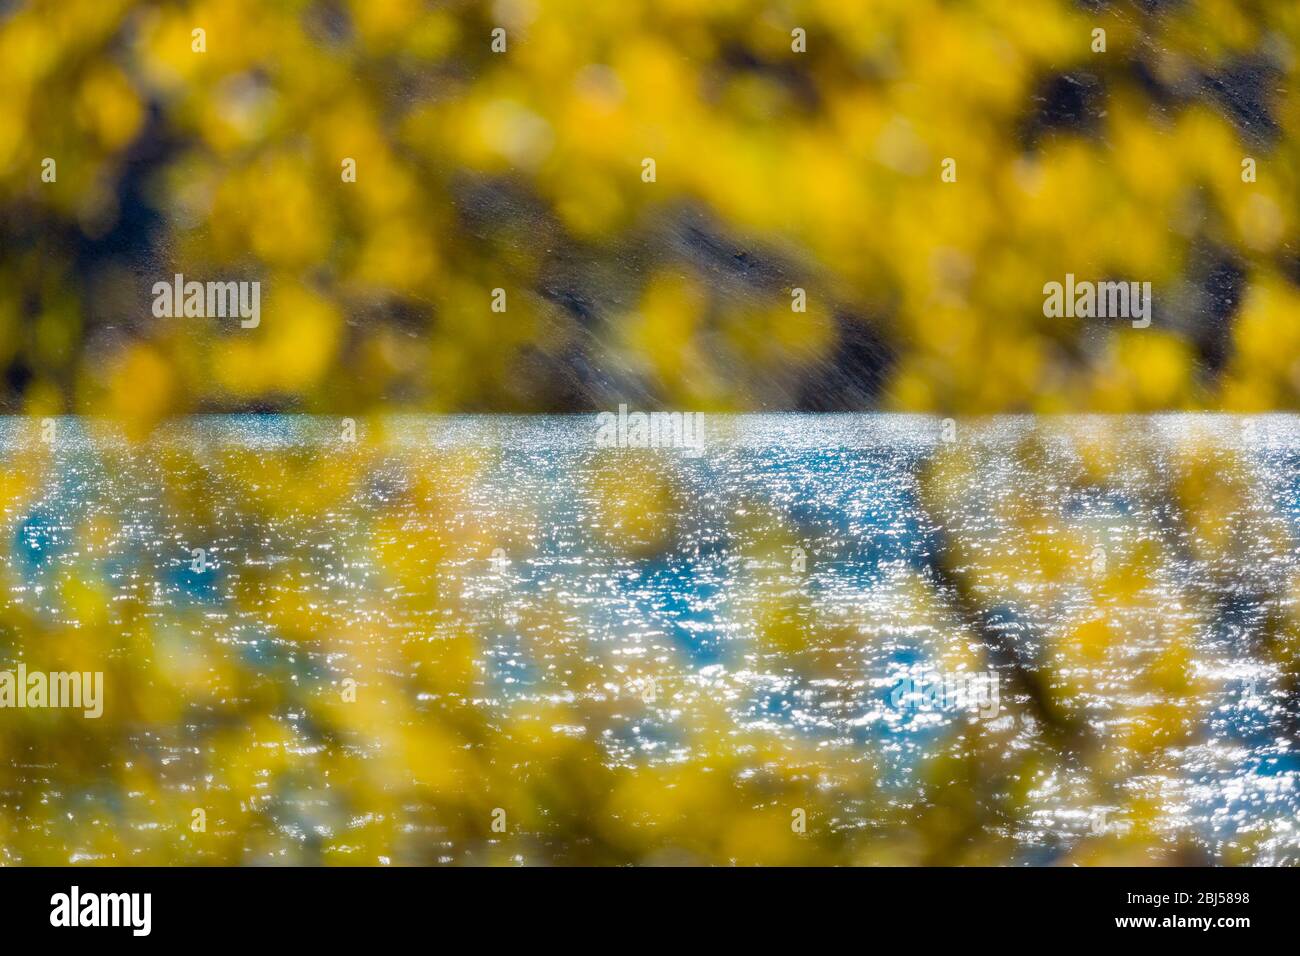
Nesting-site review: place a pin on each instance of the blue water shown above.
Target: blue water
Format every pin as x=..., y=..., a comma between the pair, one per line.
x=710, y=596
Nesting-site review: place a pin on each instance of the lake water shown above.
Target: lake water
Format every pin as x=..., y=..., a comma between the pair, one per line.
x=838, y=639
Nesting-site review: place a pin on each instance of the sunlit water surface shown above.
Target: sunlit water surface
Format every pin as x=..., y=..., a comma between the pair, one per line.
x=503, y=528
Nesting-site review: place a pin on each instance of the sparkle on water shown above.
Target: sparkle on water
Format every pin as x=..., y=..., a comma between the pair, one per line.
x=1125, y=578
